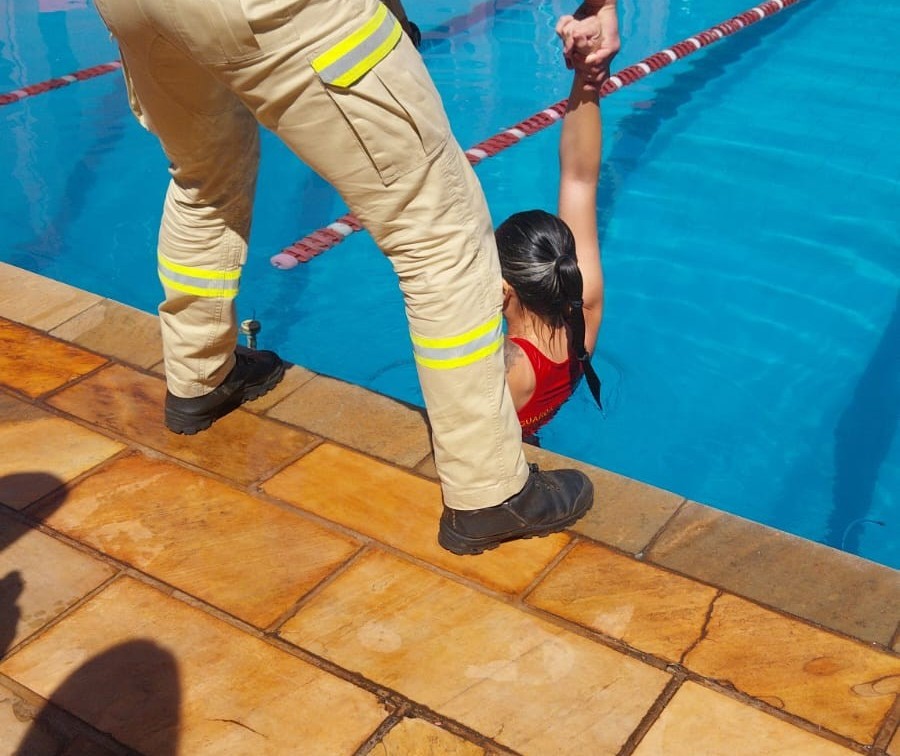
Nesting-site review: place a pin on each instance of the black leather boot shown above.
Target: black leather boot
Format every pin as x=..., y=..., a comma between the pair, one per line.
x=254, y=374
x=549, y=502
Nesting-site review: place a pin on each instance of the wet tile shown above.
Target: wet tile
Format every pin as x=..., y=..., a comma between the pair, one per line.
x=841, y=684
x=402, y=510
x=859, y=598
x=115, y=330
x=626, y=513
x=700, y=721
x=294, y=377
x=525, y=683
x=243, y=555
x=40, y=578
x=34, y=364
x=42, y=303
x=646, y=607
x=358, y=418
x=165, y=678
x=240, y=446
x=30, y=466
x=415, y=736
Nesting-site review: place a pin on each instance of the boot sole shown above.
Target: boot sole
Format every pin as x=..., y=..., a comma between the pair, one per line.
x=463, y=546
x=188, y=425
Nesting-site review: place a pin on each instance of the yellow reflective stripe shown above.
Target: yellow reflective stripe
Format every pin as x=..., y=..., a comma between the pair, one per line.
x=456, y=362
x=197, y=291
x=342, y=48
x=347, y=61
x=367, y=63
x=463, y=338
x=224, y=275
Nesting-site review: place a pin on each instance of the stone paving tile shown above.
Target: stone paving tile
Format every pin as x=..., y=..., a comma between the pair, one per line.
x=646, y=607
x=415, y=737
x=40, y=452
x=859, y=598
x=116, y=330
x=402, y=510
x=700, y=721
x=165, y=678
x=42, y=303
x=39, y=578
x=34, y=364
x=240, y=446
x=841, y=684
x=248, y=557
x=294, y=377
x=360, y=419
x=525, y=683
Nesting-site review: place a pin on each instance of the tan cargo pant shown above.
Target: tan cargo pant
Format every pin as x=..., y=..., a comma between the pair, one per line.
x=348, y=93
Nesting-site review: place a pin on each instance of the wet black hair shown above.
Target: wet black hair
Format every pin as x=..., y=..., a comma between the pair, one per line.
x=537, y=258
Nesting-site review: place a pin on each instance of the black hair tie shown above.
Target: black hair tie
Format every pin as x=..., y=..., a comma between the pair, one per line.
x=576, y=304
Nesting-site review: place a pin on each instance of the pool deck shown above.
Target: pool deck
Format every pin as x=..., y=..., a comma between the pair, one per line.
x=274, y=586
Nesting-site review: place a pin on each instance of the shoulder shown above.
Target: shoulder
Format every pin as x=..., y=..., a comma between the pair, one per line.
x=519, y=373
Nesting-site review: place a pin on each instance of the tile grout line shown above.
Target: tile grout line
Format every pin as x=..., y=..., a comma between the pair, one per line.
x=388, y=724
x=523, y=596
x=653, y=713
x=63, y=723
x=889, y=726
x=273, y=628
x=642, y=554
x=61, y=617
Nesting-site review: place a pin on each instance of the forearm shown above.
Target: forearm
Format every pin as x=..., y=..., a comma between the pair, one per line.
x=580, y=143
x=580, y=149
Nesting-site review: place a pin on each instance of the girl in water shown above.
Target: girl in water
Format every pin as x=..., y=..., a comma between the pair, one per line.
x=552, y=277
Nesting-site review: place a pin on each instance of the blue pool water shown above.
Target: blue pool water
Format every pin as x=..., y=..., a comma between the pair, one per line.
x=750, y=351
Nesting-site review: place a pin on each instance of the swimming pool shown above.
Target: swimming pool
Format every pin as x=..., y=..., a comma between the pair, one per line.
x=750, y=350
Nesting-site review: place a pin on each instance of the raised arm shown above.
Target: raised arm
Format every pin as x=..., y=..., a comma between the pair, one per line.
x=579, y=156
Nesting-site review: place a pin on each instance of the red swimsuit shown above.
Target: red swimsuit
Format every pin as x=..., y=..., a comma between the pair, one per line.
x=554, y=383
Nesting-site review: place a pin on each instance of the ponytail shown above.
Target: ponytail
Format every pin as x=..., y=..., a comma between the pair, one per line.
x=572, y=286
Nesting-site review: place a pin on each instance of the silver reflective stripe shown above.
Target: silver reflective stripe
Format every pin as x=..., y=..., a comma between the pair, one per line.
x=199, y=282
x=350, y=59
x=462, y=350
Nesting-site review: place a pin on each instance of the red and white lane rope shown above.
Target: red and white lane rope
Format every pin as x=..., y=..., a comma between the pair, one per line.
x=61, y=81
x=334, y=233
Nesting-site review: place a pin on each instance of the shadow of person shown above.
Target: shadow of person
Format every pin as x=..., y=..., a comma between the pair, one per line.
x=20, y=490
x=17, y=492
x=130, y=692
x=11, y=587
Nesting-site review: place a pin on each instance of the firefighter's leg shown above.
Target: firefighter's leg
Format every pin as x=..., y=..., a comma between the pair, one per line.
x=211, y=140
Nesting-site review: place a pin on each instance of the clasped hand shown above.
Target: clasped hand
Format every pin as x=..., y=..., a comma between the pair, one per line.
x=590, y=40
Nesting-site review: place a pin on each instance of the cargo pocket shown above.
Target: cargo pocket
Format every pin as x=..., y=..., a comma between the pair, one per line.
x=385, y=95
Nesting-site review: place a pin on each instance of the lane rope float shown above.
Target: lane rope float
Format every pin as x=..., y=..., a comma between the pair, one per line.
x=334, y=233
x=7, y=98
